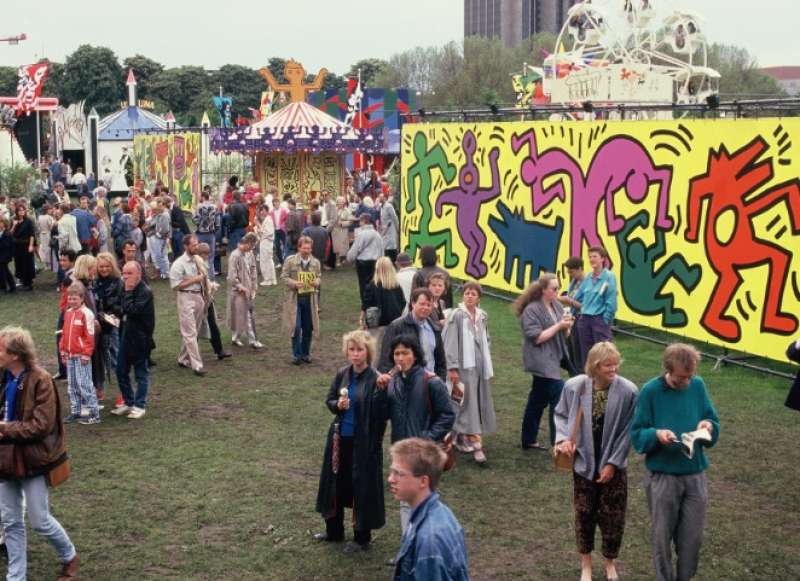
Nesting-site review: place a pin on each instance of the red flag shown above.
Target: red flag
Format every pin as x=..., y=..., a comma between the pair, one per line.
x=29, y=87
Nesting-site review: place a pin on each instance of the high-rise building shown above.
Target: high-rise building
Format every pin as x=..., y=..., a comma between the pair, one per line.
x=514, y=20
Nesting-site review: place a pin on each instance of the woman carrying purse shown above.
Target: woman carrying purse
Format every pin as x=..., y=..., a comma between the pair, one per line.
x=602, y=405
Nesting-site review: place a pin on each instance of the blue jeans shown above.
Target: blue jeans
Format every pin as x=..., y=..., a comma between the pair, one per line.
x=158, y=250
x=177, y=243
x=303, y=327
x=233, y=239
x=33, y=492
x=211, y=239
x=141, y=371
x=544, y=392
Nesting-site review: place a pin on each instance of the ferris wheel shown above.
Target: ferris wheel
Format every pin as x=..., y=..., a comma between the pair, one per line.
x=628, y=53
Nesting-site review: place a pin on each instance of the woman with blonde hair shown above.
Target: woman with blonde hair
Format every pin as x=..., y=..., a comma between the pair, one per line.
x=32, y=433
x=108, y=292
x=85, y=272
x=545, y=327
x=593, y=422
x=352, y=471
x=103, y=228
x=383, y=297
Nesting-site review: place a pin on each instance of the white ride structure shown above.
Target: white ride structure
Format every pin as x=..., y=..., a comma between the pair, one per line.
x=629, y=57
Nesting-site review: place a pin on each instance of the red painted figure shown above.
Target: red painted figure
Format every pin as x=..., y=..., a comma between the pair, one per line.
x=728, y=182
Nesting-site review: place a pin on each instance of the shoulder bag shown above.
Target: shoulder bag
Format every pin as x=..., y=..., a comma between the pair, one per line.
x=565, y=462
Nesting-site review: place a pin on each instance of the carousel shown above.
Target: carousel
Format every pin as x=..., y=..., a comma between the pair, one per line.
x=299, y=149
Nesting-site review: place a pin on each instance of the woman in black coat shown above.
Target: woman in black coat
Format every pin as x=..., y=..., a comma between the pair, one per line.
x=352, y=474
x=793, y=353
x=108, y=290
x=24, y=234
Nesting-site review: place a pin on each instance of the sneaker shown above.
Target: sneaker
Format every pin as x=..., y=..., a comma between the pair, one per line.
x=72, y=418
x=122, y=410
x=257, y=345
x=265, y=283
x=136, y=413
x=101, y=406
x=237, y=342
x=91, y=420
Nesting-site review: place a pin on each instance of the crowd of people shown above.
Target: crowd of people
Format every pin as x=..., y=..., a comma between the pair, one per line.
x=420, y=365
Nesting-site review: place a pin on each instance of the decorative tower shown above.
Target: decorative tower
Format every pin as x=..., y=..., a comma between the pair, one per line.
x=131, y=84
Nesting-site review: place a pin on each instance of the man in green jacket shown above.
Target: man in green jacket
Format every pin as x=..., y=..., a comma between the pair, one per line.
x=669, y=406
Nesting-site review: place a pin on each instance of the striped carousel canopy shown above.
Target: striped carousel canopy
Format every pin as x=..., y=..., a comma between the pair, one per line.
x=298, y=126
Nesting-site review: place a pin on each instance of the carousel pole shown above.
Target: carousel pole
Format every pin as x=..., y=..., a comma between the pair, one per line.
x=38, y=140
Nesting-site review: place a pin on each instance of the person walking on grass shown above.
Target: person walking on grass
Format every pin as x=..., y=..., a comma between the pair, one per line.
x=352, y=464
x=365, y=251
x=596, y=410
x=302, y=274
x=470, y=372
x=432, y=547
x=544, y=349
x=77, y=347
x=669, y=406
x=135, y=341
x=209, y=289
x=32, y=431
x=597, y=301
x=265, y=230
x=186, y=280
x=242, y=285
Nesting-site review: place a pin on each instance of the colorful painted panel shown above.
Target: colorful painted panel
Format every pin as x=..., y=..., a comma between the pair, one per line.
x=701, y=218
x=300, y=174
x=379, y=107
x=172, y=159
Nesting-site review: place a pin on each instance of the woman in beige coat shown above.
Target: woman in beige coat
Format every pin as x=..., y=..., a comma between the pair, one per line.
x=339, y=224
x=242, y=283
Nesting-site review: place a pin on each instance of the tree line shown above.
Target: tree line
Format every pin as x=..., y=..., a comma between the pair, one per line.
x=475, y=72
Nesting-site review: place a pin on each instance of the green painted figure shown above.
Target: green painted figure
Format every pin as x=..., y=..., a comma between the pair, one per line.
x=642, y=284
x=422, y=170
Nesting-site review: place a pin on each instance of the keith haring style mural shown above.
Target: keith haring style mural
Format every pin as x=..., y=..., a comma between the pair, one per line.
x=173, y=160
x=701, y=218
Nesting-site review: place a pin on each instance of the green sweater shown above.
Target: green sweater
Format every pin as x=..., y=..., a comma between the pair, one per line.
x=661, y=407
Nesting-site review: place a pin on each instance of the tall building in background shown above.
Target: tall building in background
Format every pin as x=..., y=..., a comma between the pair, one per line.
x=514, y=20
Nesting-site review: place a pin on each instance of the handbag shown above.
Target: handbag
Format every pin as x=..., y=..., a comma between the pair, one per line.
x=565, y=462
x=447, y=445
x=59, y=474
x=372, y=317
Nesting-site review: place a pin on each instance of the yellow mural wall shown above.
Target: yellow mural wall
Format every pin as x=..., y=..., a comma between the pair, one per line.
x=701, y=218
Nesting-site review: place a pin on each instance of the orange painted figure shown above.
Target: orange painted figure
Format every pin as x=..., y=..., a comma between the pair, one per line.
x=731, y=186
x=296, y=86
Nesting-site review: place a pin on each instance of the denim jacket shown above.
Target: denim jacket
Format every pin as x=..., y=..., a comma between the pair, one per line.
x=432, y=548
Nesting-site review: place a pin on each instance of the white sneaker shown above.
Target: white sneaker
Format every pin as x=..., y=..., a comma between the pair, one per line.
x=122, y=410
x=237, y=342
x=257, y=345
x=136, y=413
x=265, y=283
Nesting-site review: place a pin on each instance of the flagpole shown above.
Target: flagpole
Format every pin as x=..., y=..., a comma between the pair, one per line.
x=38, y=140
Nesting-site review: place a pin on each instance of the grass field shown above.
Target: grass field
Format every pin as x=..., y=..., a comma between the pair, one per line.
x=218, y=481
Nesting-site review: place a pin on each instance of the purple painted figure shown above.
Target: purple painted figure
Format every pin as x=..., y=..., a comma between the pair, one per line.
x=468, y=198
x=619, y=163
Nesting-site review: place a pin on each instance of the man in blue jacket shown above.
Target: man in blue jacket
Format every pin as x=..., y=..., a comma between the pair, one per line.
x=432, y=547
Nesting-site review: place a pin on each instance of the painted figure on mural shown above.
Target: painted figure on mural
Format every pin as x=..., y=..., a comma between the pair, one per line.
x=642, y=283
x=619, y=163
x=468, y=197
x=527, y=244
x=730, y=242
x=295, y=84
x=426, y=162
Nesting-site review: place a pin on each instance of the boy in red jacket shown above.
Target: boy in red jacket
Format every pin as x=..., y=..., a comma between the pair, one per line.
x=77, y=345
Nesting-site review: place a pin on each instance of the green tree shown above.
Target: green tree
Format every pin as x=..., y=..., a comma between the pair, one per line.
x=370, y=69
x=94, y=74
x=180, y=90
x=275, y=66
x=8, y=81
x=244, y=85
x=144, y=69
x=741, y=77
x=54, y=82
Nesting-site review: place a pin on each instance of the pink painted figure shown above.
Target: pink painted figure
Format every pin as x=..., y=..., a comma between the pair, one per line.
x=619, y=163
x=468, y=198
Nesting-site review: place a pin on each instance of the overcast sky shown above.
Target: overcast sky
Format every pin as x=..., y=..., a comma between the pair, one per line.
x=333, y=34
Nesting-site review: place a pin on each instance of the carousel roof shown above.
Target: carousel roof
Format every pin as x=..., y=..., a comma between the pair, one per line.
x=296, y=127
x=122, y=125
